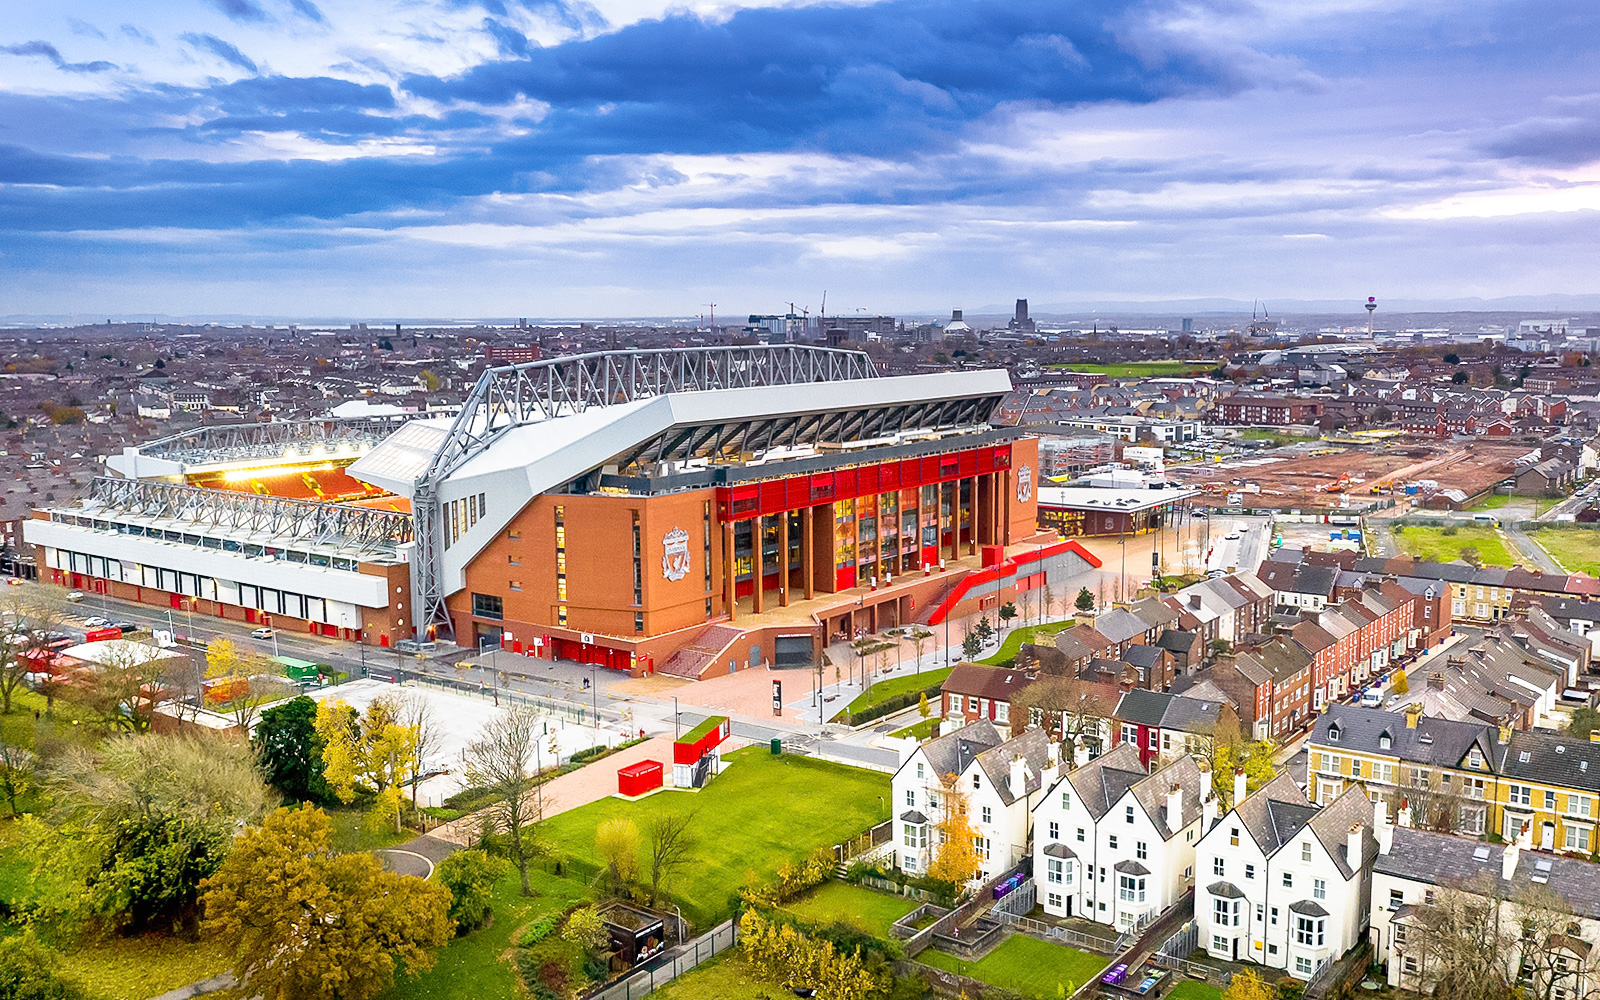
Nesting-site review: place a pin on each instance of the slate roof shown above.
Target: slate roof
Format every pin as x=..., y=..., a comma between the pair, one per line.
x=1145, y=708
x=1080, y=641
x=1033, y=747
x=996, y=683
x=1059, y=851
x=1120, y=625
x=952, y=752
x=1444, y=860
x=1438, y=742
x=1101, y=782
x=1226, y=890
x=1552, y=760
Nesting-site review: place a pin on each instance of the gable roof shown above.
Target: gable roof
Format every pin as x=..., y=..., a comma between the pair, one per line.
x=952, y=752
x=1553, y=760
x=1101, y=782
x=1438, y=742
x=1445, y=860
x=1033, y=747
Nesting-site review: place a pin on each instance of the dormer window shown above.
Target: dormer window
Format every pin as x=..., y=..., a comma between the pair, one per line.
x=1333, y=734
x=1475, y=758
x=1383, y=741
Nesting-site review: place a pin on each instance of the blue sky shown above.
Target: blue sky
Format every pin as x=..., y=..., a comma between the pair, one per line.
x=629, y=157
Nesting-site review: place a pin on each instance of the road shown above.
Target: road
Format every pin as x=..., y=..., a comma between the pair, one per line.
x=1530, y=550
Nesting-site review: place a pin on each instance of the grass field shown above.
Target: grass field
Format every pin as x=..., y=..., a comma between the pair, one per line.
x=893, y=686
x=918, y=730
x=1493, y=501
x=1012, y=644
x=1025, y=965
x=1433, y=543
x=1576, y=549
x=470, y=967
x=865, y=910
x=1140, y=369
x=762, y=811
x=726, y=977
x=1192, y=990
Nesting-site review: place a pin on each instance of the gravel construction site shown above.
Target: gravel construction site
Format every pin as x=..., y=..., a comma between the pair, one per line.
x=1334, y=476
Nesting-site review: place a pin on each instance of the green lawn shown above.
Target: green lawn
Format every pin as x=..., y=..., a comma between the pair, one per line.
x=1576, y=549
x=895, y=685
x=142, y=967
x=67, y=721
x=1141, y=369
x=1433, y=543
x=726, y=977
x=1012, y=644
x=760, y=812
x=918, y=730
x=471, y=967
x=1025, y=965
x=1190, y=989
x=350, y=833
x=865, y=910
x=1493, y=501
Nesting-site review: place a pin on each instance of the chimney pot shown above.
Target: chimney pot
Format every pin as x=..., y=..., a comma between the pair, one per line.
x=1240, y=786
x=1353, y=845
x=1019, y=777
x=1175, y=808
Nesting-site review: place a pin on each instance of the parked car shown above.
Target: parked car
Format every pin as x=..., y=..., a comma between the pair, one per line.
x=96, y=622
x=74, y=596
x=261, y=633
x=126, y=626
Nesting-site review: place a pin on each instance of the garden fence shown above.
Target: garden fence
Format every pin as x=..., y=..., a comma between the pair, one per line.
x=690, y=954
x=908, y=891
x=863, y=842
x=1063, y=935
x=1018, y=901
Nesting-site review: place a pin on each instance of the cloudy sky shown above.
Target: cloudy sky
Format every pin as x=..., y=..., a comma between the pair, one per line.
x=631, y=157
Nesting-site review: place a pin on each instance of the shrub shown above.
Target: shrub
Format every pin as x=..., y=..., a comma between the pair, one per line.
x=28, y=972
x=470, y=876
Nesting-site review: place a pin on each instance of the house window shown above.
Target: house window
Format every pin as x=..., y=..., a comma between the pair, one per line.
x=1219, y=943
x=988, y=816
x=1399, y=935
x=1233, y=836
x=1288, y=880
x=919, y=768
x=1580, y=805
x=1130, y=734
x=1152, y=739
x=982, y=844
x=1550, y=800
x=1066, y=800
x=1216, y=866
x=1355, y=768
x=1002, y=711
x=1309, y=931
x=916, y=835
x=1249, y=871
x=1520, y=795
x=1578, y=838
x=1141, y=850
x=972, y=703
x=911, y=797
x=1080, y=834
x=1319, y=888
x=1128, y=814
x=1302, y=965
x=1274, y=919
x=1408, y=963
x=1055, y=830
x=977, y=780
x=1054, y=869
x=1130, y=889
x=1111, y=841
x=1305, y=851
x=1054, y=900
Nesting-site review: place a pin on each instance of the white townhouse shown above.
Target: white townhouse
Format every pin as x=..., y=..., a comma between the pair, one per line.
x=1000, y=779
x=1284, y=883
x=1115, y=844
x=1548, y=943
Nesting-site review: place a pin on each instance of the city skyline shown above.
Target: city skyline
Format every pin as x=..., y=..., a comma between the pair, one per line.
x=278, y=157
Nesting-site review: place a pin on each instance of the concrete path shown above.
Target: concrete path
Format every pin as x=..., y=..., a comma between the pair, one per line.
x=1531, y=551
x=587, y=784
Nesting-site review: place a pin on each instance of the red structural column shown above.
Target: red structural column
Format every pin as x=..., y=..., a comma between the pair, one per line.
x=784, y=580
x=808, y=551
x=758, y=570
x=730, y=587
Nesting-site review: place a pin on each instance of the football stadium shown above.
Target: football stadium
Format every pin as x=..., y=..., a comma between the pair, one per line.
x=687, y=511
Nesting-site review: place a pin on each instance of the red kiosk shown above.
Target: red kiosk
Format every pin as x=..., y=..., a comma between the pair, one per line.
x=637, y=779
x=694, y=754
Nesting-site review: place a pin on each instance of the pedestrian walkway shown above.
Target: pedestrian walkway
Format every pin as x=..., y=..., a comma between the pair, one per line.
x=587, y=784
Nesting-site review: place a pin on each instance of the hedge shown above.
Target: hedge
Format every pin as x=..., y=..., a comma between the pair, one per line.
x=890, y=705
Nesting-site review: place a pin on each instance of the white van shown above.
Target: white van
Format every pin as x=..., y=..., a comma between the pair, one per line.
x=1490, y=518
x=1371, y=698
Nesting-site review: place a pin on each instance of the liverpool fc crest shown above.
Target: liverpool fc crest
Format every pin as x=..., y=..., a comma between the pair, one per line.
x=1025, y=484
x=675, y=560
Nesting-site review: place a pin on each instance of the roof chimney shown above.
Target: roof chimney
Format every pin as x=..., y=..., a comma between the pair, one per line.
x=1382, y=829
x=1240, y=786
x=1208, y=813
x=1413, y=715
x=1175, y=807
x=1403, y=814
x=1194, y=601
x=1019, y=777
x=1508, y=859
x=1353, y=844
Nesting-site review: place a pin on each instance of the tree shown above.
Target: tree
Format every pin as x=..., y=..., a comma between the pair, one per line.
x=1471, y=556
x=245, y=681
x=290, y=750
x=1008, y=611
x=1460, y=378
x=984, y=630
x=28, y=971
x=955, y=858
x=416, y=712
x=430, y=381
x=923, y=709
x=142, y=820
x=1047, y=600
x=307, y=923
x=125, y=688
x=668, y=845
x=1085, y=601
x=1065, y=705
x=14, y=640
x=587, y=930
x=1255, y=756
x=919, y=640
x=376, y=749
x=1584, y=721
x=18, y=774
x=1400, y=685
x=501, y=761
x=616, y=843
x=971, y=645
x=1248, y=985
x=470, y=876
x=46, y=609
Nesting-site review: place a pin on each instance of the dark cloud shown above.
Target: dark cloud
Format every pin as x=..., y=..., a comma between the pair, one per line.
x=308, y=10
x=512, y=43
x=53, y=54
x=225, y=51
x=241, y=10
x=1568, y=138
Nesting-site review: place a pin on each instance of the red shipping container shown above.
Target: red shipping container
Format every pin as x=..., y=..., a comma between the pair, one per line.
x=636, y=779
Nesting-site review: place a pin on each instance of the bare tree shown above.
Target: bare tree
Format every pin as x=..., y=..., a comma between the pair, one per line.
x=417, y=711
x=502, y=761
x=669, y=842
x=1069, y=707
x=125, y=687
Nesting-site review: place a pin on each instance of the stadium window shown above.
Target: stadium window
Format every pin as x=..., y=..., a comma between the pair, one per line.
x=483, y=508
x=561, y=614
x=490, y=606
x=638, y=564
x=638, y=621
x=515, y=584
x=513, y=534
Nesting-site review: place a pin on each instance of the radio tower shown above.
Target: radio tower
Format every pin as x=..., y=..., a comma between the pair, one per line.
x=1372, y=306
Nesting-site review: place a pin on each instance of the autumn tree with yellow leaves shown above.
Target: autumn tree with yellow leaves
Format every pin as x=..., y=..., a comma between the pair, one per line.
x=955, y=857
x=374, y=749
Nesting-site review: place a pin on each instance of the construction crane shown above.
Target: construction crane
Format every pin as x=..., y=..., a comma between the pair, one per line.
x=713, y=308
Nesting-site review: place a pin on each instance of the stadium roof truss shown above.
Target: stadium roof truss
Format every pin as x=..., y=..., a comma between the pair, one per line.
x=516, y=395
x=362, y=529
x=220, y=443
